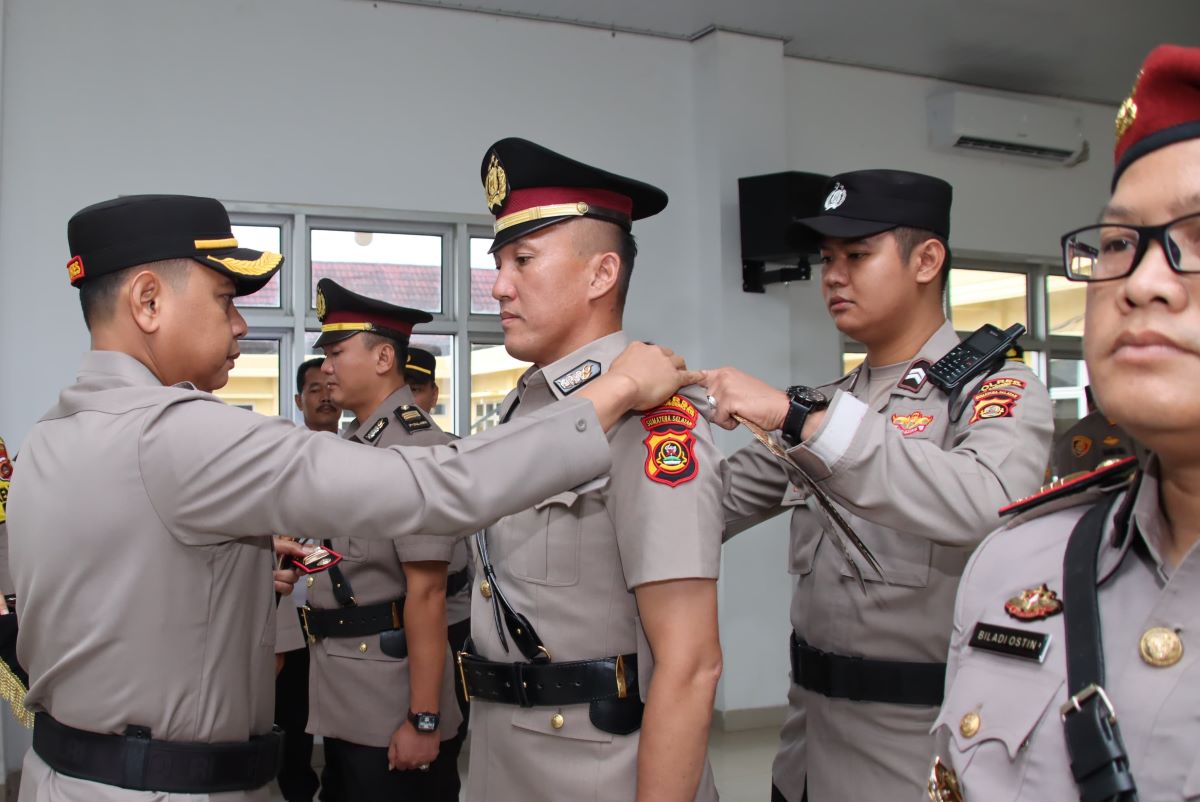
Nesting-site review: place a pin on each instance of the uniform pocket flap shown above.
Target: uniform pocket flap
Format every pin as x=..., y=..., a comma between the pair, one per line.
x=567, y=498
x=973, y=712
x=353, y=648
x=574, y=722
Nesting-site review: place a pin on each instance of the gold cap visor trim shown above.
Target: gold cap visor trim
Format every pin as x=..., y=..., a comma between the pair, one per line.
x=540, y=213
x=248, y=267
x=209, y=244
x=416, y=369
x=347, y=326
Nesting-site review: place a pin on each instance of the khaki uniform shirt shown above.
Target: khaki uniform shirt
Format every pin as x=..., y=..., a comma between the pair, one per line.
x=140, y=524
x=356, y=692
x=1016, y=749
x=570, y=564
x=921, y=490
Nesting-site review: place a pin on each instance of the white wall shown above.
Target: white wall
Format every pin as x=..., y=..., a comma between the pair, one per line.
x=345, y=102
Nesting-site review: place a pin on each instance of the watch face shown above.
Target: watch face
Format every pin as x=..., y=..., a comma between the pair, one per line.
x=426, y=722
x=807, y=395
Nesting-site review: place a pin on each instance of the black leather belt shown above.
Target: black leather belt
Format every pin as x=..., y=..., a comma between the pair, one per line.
x=548, y=684
x=138, y=762
x=351, y=622
x=866, y=680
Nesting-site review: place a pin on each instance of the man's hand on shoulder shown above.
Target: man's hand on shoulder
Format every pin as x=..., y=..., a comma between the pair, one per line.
x=738, y=393
x=642, y=377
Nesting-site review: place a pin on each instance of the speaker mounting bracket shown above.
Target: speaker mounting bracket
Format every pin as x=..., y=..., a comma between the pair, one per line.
x=755, y=276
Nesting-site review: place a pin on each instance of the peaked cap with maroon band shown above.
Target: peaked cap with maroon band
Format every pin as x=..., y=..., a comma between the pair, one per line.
x=140, y=229
x=529, y=187
x=344, y=313
x=1164, y=107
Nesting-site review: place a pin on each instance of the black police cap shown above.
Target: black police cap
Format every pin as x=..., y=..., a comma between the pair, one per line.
x=529, y=187
x=139, y=229
x=422, y=366
x=869, y=202
x=344, y=313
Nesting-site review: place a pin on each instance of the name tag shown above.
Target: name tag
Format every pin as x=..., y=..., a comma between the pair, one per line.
x=1012, y=642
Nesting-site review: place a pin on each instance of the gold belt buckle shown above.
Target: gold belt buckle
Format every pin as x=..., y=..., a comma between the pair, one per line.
x=622, y=686
x=462, y=675
x=308, y=636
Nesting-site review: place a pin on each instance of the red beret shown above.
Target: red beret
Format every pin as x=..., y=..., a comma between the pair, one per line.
x=1164, y=107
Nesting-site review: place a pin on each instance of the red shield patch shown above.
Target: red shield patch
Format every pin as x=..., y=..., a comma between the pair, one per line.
x=996, y=399
x=670, y=444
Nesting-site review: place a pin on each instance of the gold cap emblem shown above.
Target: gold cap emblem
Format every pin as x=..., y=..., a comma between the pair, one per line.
x=495, y=184
x=1127, y=114
x=320, y=305
x=1161, y=647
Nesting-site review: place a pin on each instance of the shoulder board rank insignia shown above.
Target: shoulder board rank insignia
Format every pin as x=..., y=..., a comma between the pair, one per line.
x=577, y=376
x=1034, y=604
x=1109, y=475
x=670, y=444
x=412, y=419
x=914, y=379
x=373, y=433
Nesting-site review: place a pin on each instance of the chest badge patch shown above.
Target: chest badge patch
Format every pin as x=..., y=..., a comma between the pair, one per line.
x=912, y=423
x=373, y=433
x=577, y=376
x=1034, y=604
x=670, y=444
x=996, y=399
x=916, y=376
x=1010, y=642
x=411, y=419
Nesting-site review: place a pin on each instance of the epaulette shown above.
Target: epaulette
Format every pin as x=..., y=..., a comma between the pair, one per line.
x=412, y=418
x=1108, y=475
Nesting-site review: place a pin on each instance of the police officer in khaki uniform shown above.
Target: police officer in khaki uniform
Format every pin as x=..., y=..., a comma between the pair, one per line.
x=381, y=693
x=420, y=373
x=140, y=520
x=916, y=471
x=1074, y=668
x=595, y=654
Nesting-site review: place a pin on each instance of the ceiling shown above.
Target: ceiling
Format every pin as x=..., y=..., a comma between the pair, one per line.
x=1080, y=49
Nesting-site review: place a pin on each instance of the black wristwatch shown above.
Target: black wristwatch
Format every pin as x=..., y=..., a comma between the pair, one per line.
x=425, y=722
x=801, y=402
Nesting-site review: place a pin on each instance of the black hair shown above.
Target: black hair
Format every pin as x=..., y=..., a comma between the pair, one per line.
x=305, y=367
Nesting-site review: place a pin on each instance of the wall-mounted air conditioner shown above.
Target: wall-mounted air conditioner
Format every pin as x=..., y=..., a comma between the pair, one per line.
x=974, y=121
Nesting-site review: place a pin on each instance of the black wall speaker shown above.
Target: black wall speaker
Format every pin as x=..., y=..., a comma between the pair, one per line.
x=770, y=205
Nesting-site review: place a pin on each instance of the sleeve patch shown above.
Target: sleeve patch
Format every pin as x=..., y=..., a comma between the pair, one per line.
x=670, y=444
x=996, y=399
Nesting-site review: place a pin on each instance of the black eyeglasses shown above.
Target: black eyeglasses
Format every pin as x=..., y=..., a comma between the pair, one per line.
x=1109, y=251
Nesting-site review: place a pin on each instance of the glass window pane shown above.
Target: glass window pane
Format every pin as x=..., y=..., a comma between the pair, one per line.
x=483, y=274
x=261, y=238
x=852, y=360
x=986, y=296
x=1066, y=302
x=493, y=374
x=1068, y=380
x=441, y=346
x=254, y=380
x=403, y=269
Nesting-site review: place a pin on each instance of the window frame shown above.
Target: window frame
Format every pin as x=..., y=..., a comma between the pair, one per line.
x=295, y=317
